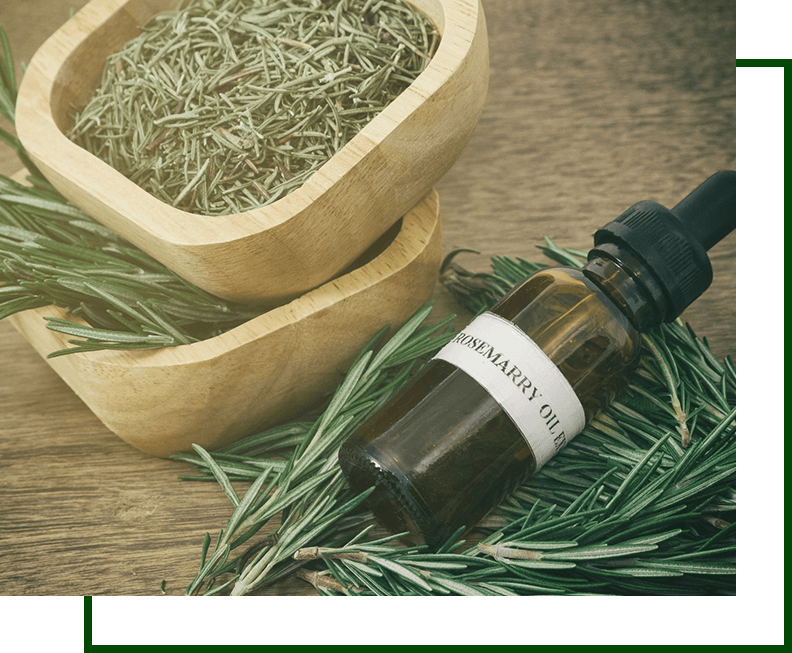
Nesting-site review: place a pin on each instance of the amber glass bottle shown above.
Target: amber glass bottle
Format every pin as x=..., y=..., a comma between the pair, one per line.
x=520, y=381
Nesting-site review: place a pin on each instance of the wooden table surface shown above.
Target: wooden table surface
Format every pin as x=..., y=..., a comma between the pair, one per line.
x=593, y=105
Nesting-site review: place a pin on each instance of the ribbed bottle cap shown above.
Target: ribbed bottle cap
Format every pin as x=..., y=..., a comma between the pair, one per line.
x=673, y=243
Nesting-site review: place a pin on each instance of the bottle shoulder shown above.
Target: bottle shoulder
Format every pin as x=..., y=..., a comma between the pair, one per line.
x=559, y=289
x=580, y=329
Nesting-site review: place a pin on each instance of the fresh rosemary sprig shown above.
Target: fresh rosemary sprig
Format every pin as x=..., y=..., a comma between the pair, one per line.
x=51, y=253
x=8, y=97
x=642, y=502
x=306, y=489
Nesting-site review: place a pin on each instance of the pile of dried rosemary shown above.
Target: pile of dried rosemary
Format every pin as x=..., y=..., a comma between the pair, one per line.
x=220, y=106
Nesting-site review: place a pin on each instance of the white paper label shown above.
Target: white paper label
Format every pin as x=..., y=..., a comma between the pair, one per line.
x=522, y=379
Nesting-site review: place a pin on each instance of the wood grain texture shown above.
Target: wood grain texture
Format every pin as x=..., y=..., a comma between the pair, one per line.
x=592, y=106
x=295, y=244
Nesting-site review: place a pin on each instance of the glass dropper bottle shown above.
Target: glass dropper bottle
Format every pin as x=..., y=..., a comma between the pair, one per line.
x=513, y=387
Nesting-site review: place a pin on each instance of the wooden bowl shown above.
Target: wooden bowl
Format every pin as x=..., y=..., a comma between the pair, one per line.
x=300, y=241
x=261, y=372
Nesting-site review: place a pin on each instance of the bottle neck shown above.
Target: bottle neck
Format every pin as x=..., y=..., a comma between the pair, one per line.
x=630, y=285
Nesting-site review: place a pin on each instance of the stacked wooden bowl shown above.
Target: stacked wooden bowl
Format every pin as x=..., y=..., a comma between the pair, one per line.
x=357, y=247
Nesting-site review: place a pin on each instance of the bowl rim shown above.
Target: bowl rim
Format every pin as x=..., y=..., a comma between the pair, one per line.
x=457, y=21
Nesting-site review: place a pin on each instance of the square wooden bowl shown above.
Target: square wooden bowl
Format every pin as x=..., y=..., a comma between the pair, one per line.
x=261, y=372
x=297, y=243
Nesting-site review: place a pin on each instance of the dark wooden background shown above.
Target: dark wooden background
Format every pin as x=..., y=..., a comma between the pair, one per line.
x=593, y=105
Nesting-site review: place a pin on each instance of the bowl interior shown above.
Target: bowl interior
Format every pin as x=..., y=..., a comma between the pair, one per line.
x=80, y=72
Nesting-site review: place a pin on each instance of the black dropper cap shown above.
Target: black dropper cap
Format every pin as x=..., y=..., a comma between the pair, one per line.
x=673, y=243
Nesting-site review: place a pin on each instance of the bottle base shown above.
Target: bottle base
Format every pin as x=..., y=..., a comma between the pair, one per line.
x=393, y=502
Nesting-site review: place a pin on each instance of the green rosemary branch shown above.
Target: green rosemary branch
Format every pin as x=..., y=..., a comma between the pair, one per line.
x=624, y=509
x=306, y=488
x=642, y=502
x=8, y=96
x=51, y=253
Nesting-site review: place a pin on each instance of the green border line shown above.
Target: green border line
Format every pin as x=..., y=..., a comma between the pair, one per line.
x=87, y=602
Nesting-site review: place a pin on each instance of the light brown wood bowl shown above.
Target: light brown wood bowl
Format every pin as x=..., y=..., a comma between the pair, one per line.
x=300, y=241
x=263, y=371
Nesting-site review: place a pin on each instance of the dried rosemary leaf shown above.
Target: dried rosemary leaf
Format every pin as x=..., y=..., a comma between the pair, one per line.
x=221, y=106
